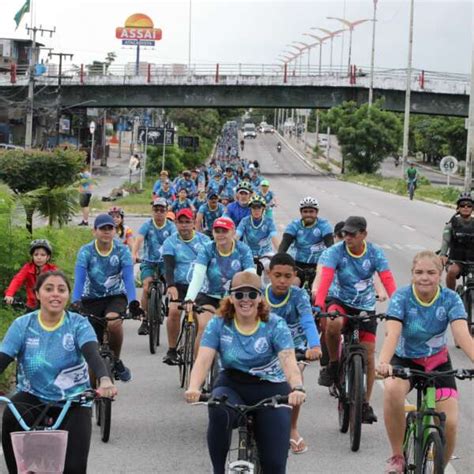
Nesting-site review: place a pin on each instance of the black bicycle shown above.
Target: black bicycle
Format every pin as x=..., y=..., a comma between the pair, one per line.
x=307, y=276
x=247, y=453
x=466, y=290
x=350, y=386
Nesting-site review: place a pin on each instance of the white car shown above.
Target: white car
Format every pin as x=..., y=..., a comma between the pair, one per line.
x=7, y=146
x=250, y=131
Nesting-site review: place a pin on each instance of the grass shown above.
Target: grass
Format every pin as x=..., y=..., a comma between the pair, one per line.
x=133, y=203
x=7, y=378
x=425, y=190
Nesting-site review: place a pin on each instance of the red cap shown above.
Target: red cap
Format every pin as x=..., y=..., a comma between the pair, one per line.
x=223, y=223
x=185, y=212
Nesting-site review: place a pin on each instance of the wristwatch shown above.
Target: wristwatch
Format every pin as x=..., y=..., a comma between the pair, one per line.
x=299, y=388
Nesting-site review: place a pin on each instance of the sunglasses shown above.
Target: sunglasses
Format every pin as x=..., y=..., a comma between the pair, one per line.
x=249, y=295
x=159, y=209
x=466, y=204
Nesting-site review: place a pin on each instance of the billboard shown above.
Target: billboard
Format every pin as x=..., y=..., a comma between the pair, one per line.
x=154, y=135
x=138, y=30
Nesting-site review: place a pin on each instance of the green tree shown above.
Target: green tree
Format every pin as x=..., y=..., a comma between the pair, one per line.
x=42, y=181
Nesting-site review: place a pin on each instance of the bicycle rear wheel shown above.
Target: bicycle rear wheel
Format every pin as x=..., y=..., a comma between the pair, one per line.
x=105, y=407
x=356, y=398
x=343, y=405
x=154, y=309
x=411, y=191
x=433, y=455
x=409, y=445
x=188, y=355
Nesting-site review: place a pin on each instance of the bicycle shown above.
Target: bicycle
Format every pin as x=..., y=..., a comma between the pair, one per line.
x=466, y=290
x=103, y=406
x=309, y=274
x=411, y=188
x=247, y=452
x=42, y=446
x=260, y=261
x=350, y=386
x=425, y=439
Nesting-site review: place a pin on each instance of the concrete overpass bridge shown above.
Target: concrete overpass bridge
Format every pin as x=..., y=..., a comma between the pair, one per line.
x=238, y=85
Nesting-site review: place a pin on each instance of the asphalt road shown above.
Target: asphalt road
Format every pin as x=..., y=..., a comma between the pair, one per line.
x=154, y=430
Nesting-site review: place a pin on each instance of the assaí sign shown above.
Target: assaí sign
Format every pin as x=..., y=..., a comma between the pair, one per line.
x=139, y=29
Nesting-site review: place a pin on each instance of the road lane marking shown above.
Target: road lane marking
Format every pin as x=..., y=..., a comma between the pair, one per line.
x=398, y=246
x=375, y=213
x=352, y=203
x=408, y=227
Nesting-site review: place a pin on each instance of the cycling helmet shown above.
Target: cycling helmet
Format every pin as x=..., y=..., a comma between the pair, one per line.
x=463, y=197
x=257, y=200
x=309, y=202
x=41, y=244
x=244, y=186
x=118, y=210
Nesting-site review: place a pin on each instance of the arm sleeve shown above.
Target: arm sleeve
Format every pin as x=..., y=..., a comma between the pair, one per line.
x=17, y=281
x=327, y=276
x=386, y=277
x=285, y=243
x=90, y=351
x=80, y=274
x=446, y=242
x=129, y=280
x=195, y=286
x=5, y=361
x=328, y=240
x=169, y=269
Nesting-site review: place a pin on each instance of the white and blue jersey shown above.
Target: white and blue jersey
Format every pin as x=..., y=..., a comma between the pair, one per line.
x=214, y=186
x=228, y=186
x=104, y=275
x=295, y=309
x=168, y=195
x=50, y=364
x=197, y=203
x=255, y=182
x=268, y=197
x=221, y=268
x=187, y=184
x=209, y=215
x=255, y=354
x=424, y=331
x=185, y=253
x=178, y=205
x=257, y=234
x=154, y=237
x=354, y=274
x=309, y=241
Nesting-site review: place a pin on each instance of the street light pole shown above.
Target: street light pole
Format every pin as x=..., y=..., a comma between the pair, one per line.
x=320, y=41
x=406, y=118
x=189, y=37
x=331, y=35
x=372, y=57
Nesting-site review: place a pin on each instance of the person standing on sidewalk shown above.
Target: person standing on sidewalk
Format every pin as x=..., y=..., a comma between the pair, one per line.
x=85, y=193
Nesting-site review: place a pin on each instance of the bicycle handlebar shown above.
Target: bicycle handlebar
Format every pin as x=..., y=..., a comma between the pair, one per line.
x=362, y=316
x=406, y=373
x=181, y=306
x=275, y=402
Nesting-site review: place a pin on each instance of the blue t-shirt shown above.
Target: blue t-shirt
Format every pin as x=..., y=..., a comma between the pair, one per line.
x=197, y=202
x=221, y=269
x=255, y=354
x=236, y=212
x=185, y=254
x=214, y=186
x=255, y=182
x=268, y=197
x=154, y=237
x=104, y=271
x=209, y=216
x=228, y=186
x=258, y=236
x=178, y=205
x=354, y=278
x=295, y=309
x=187, y=184
x=424, y=330
x=309, y=241
x=168, y=195
x=50, y=362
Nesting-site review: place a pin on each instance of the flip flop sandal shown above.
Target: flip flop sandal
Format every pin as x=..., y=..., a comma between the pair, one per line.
x=295, y=444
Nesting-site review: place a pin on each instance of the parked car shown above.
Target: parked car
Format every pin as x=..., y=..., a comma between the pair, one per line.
x=7, y=146
x=268, y=129
x=250, y=130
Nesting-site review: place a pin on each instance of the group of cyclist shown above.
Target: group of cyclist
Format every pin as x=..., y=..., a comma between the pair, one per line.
x=207, y=252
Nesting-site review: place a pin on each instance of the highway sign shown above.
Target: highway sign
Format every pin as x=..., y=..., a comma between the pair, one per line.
x=188, y=142
x=154, y=135
x=448, y=165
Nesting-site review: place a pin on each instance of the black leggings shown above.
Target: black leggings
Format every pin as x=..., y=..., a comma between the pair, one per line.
x=272, y=427
x=77, y=422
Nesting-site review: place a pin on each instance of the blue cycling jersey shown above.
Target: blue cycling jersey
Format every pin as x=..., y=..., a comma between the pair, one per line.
x=228, y=185
x=424, y=331
x=178, y=205
x=154, y=237
x=236, y=212
x=187, y=184
x=257, y=234
x=50, y=363
x=168, y=195
x=185, y=253
x=255, y=354
x=209, y=215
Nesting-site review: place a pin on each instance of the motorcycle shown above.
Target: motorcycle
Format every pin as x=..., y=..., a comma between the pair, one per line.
x=279, y=148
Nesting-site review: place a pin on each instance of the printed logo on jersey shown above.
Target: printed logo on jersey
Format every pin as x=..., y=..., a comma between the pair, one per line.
x=441, y=314
x=114, y=260
x=261, y=345
x=317, y=232
x=68, y=342
x=366, y=264
x=235, y=265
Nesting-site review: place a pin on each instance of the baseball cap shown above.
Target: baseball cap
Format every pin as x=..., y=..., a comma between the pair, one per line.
x=265, y=182
x=223, y=223
x=159, y=202
x=186, y=173
x=186, y=212
x=102, y=220
x=212, y=194
x=164, y=172
x=246, y=280
x=354, y=224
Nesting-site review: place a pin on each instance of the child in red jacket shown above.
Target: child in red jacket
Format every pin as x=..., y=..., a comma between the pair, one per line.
x=40, y=251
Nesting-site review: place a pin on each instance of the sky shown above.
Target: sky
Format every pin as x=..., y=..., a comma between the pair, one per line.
x=256, y=31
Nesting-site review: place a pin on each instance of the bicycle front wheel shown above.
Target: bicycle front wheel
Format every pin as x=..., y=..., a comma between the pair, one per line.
x=343, y=405
x=409, y=445
x=188, y=355
x=356, y=399
x=433, y=455
x=154, y=308
x=411, y=191
x=104, y=418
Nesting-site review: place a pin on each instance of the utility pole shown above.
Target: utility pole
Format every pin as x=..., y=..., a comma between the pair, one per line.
x=470, y=134
x=372, y=57
x=31, y=82
x=58, y=99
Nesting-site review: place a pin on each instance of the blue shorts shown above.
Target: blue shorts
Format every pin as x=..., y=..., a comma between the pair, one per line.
x=149, y=269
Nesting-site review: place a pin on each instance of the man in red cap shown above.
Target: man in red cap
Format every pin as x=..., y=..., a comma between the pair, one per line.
x=179, y=254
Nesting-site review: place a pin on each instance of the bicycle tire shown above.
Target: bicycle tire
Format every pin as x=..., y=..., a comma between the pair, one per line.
x=106, y=407
x=188, y=356
x=153, y=323
x=253, y=455
x=409, y=444
x=411, y=191
x=343, y=405
x=356, y=399
x=432, y=461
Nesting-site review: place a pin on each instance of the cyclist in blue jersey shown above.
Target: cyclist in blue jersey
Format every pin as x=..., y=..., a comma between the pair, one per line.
x=200, y=199
x=256, y=352
x=215, y=182
x=187, y=183
x=239, y=209
x=350, y=266
x=182, y=201
x=309, y=235
x=418, y=317
x=159, y=183
x=218, y=262
x=229, y=183
x=268, y=195
x=258, y=230
x=151, y=235
x=208, y=213
x=53, y=349
x=293, y=305
x=166, y=192
x=104, y=282
x=179, y=254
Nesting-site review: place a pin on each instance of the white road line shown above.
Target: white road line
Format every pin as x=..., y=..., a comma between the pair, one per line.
x=352, y=203
x=408, y=227
x=385, y=246
x=398, y=246
x=375, y=213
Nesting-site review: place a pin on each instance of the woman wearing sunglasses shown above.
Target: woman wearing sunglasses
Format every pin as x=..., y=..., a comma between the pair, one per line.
x=258, y=360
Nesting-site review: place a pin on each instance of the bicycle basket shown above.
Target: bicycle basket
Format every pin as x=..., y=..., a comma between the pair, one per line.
x=40, y=451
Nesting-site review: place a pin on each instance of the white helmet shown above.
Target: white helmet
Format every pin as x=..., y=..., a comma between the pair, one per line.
x=309, y=202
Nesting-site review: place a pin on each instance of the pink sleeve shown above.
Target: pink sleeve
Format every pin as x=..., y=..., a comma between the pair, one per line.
x=386, y=277
x=327, y=276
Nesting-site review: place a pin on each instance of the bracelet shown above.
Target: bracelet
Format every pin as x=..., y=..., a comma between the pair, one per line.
x=298, y=388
